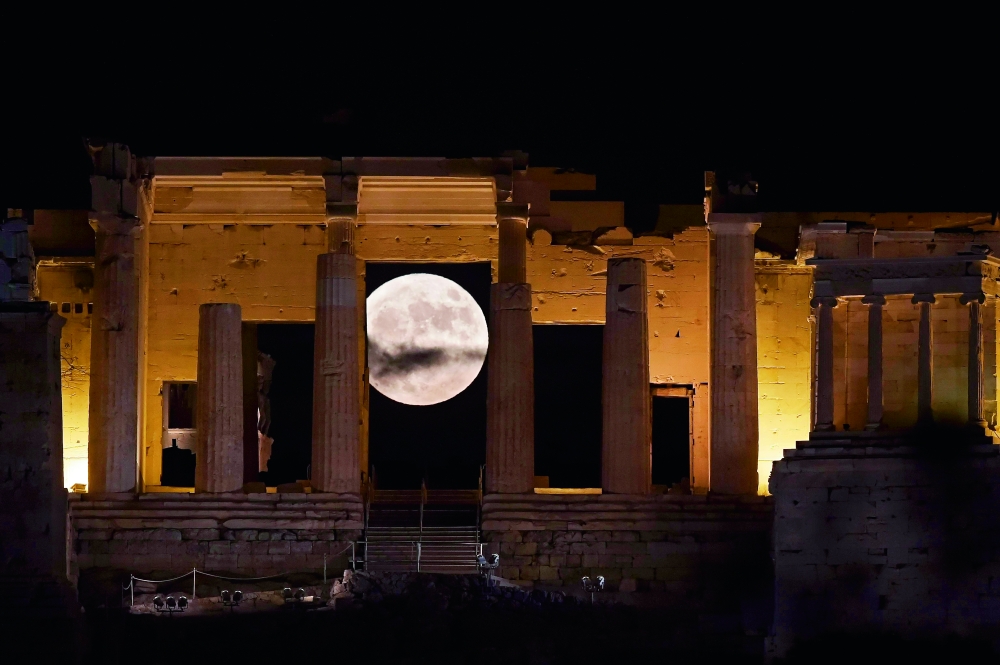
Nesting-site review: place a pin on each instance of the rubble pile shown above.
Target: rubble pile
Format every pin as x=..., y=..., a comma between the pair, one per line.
x=438, y=592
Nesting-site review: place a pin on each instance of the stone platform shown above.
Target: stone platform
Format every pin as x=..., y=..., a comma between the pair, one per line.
x=701, y=552
x=240, y=534
x=879, y=533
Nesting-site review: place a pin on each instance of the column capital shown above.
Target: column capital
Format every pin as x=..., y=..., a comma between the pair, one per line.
x=824, y=301
x=923, y=297
x=734, y=223
x=975, y=297
x=873, y=299
x=341, y=211
x=519, y=211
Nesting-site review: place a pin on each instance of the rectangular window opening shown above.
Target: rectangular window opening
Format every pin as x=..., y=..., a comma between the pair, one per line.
x=671, y=443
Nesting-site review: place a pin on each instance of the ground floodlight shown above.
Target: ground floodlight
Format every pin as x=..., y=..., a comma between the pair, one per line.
x=495, y=560
x=237, y=596
x=224, y=596
x=171, y=602
x=158, y=602
x=481, y=560
x=600, y=583
x=182, y=602
x=585, y=581
x=286, y=593
x=300, y=594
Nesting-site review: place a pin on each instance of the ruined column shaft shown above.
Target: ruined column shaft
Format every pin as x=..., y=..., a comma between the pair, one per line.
x=626, y=454
x=512, y=258
x=336, y=377
x=114, y=359
x=875, y=396
x=975, y=372
x=219, y=443
x=824, y=363
x=925, y=360
x=734, y=424
x=510, y=392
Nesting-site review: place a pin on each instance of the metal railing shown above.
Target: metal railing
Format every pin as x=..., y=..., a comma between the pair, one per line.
x=416, y=553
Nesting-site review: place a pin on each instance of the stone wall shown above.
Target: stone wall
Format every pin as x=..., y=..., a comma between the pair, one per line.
x=700, y=552
x=33, y=571
x=244, y=535
x=874, y=534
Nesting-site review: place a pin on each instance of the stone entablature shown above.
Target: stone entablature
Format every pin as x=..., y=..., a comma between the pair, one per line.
x=251, y=534
x=701, y=551
x=905, y=276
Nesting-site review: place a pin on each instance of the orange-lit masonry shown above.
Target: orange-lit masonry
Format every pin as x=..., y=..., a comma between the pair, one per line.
x=248, y=231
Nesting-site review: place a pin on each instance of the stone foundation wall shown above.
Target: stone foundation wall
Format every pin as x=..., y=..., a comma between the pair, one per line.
x=875, y=535
x=702, y=552
x=244, y=535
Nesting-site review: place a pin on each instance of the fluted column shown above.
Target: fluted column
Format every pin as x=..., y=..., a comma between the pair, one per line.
x=875, y=399
x=114, y=356
x=976, y=390
x=336, y=374
x=734, y=424
x=626, y=451
x=925, y=360
x=510, y=394
x=824, y=363
x=219, y=444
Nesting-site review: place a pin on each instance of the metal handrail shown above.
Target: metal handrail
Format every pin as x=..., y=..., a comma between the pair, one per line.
x=414, y=545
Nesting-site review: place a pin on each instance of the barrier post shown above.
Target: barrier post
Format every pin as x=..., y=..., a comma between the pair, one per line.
x=194, y=583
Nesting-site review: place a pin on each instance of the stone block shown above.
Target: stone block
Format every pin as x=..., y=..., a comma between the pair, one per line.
x=301, y=547
x=590, y=560
x=624, y=536
x=546, y=573
x=529, y=572
x=246, y=534
x=526, y=549
x=223, y=562
x=279, y=547
x=574, y=560
x=627, y=585
x=219, y=547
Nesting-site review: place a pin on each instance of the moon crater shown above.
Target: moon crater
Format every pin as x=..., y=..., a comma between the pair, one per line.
x=427, y=339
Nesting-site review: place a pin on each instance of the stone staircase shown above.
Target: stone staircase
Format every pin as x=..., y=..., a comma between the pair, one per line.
x=405, y=536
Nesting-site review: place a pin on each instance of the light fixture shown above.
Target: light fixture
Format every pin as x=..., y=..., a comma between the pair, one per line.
x=171, y=602
x=158, y=603
x=182, y=603
x=300, y=595
x=224, y=596
x=286, y=593
x=237, y=597
x=592, y=586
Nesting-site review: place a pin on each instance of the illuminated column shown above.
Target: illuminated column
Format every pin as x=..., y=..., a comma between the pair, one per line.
x=336, y=374
x=875, y=405
x=976, y=391
x=734, y=425
x=510, y=397
x=824, y=363
x=114, y=356
x=626, y=463
x=925, y=360
x=219, y=444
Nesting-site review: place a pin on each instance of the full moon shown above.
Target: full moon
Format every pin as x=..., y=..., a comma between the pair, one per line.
x=427, y=339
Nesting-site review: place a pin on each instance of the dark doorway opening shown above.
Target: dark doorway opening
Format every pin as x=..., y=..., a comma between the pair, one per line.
x=443, y=443
x=671, y=441
x=568, y=404
x=178, y=460
x=290, y=345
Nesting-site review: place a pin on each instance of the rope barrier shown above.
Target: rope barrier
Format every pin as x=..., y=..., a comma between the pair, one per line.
x=194, y=571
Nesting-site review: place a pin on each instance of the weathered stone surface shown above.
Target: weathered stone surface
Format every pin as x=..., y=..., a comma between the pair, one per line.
x=901, y=539
x=219, y=449
x=336, y=376
x=627, y=425
x=734, y=428
x=114, y=358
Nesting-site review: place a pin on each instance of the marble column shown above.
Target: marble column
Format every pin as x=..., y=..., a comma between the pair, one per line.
x=510, y=393
x=626, y=451
x=114, y=356
x=975, y=373
x=734, y=424
x=925, y=360
x=219, y=415
x=875, y=398
x=336, y=372
x=824, y=363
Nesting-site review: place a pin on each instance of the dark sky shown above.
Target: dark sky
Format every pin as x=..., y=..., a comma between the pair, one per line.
x=900, y=137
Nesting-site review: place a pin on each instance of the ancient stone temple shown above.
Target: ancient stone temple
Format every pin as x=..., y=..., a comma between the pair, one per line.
x=224, y=403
